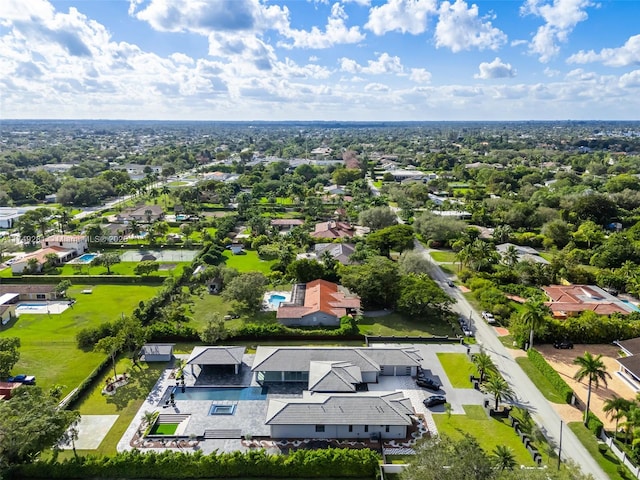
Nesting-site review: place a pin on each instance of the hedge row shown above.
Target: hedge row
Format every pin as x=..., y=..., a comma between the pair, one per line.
x=347, y=463
x=87, y=383
x=594, y=424
x=85, y=279
x=550, y=374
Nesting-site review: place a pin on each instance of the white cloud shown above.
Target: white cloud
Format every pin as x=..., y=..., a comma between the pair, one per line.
x=495, y=69
x=630, y=80
x=460, y=28
x=560, y=18
x=335, y=33
x=628, y=54
x=406, y=16
x=383, y=65
x=376, y=88
x=551, y=73
x=420, y=75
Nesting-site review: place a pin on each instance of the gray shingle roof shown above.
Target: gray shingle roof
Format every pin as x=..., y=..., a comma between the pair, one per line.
x=333, y=377
x=393, y=356
x=157, y=349
x=216, y=356
x=298, y=359
x=370, y=408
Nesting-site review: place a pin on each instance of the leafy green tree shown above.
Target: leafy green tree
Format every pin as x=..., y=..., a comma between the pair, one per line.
x=63, y=286
x=483, y=364
x=215, y=330
x=413, y=261
x=590, y=233
x=106, y=260
x=377, y=217
x=376, y=281
x=9, y=355
x=146, y=267
x=247, y=291
x=439, y=229
x=558, y=232
x=499, y=388
x=534, y=315
x=616, y=408
x=421, y=297
x=30, y=421
x=595, y=371
x=305, y=270
x=111, y=346
x=396, y=237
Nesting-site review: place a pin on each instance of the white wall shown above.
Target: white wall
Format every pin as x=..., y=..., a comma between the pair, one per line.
x=337, y=431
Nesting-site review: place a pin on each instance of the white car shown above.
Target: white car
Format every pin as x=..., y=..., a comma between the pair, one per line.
x=489, y=317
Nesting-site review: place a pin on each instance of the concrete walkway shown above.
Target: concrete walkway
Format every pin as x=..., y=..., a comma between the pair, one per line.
x=528, y=395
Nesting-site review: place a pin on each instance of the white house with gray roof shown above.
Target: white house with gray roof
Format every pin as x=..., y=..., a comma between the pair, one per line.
x=363, y=415
x=293, y=364
x=334, y=377
x=216, y=356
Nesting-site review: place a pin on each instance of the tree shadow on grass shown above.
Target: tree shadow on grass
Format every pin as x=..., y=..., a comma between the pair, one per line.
x=139, y=386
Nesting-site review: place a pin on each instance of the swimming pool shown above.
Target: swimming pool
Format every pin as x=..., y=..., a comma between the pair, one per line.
x=632, y=305
x=276, y=300
x=86, y=258
x=219, y=393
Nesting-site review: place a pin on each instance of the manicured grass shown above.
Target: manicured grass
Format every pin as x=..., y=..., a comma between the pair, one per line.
x=458, y=367
x=279, y=200
x=164, y=429
x=489, y=432
x=607, y=460
x=48, y=342
x=449, y=268
x=247, y=262
x=443, y=256
x=124, y=268
x=401, y=325
x=539, y=380
x=125, y=402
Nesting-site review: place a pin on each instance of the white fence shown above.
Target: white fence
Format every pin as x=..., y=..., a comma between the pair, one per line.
x=635, y=470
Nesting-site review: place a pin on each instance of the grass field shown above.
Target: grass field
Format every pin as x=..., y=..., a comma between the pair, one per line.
x=443, y=256
x=164, y=429
x=489, y=432
x=458, y=367
x=607, y=460
x=540, y=381
x=449, y=268
x=247, y=262
x=401, y=325
x=48, y=342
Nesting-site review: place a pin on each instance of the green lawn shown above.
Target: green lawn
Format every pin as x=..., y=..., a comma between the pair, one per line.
x=449, y=268
x=247, y=262
x=124, y=268
x=279, y=200
x=48, y=344
x=489, y=432
x=164, y=429
x=458, y=367
x=401, y=325
x=125, y=402
x=607, y=460
x=443, y=256
x=539, y=380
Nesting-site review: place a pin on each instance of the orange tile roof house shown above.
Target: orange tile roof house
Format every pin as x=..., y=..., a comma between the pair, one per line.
x=333, y=229
x=317, y=303
x=569, y=300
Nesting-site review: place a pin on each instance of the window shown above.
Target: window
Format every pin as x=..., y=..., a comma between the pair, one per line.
x=386, y=428
x=41, y=296
x=350, y=428
x=366, y=428
x=320, y=428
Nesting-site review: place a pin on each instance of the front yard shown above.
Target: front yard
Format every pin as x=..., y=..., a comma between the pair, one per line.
x=458, y=368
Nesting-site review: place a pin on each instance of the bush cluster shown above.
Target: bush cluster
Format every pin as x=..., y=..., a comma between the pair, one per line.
x=594, y=424
x=550, y=374
x=177, y=465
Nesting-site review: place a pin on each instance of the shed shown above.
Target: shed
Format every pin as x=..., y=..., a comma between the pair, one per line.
x=157, y=352
x=217, y=356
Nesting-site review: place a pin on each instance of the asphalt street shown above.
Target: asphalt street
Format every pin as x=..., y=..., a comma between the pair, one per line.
x=527, y=394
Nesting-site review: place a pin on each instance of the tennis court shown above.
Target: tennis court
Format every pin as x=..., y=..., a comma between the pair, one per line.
x=159, y=255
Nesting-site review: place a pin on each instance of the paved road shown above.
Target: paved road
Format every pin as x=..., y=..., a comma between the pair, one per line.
x=527, y=394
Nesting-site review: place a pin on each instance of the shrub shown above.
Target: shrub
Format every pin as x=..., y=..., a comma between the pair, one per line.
x=594, y=424
x=550, y=374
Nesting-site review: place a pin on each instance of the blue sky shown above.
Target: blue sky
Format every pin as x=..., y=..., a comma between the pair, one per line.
x=343, y=60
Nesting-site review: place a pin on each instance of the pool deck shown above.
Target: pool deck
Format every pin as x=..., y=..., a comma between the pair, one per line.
x=44, y=308
x=268, y=306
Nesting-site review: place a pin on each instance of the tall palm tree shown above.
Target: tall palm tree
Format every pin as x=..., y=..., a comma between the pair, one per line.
x=534, y=316
x=616, y=408
x=511, y=256
x=484, y=364
x=595, y=371
x=63, y=215
x=499, y=388
x=504, y=458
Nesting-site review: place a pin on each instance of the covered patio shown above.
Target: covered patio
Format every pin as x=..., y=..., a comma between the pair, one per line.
x=217, y=356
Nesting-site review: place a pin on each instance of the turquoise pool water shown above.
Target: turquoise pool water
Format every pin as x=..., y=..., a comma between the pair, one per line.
x=86, y=258
x=276, y=300
x=219, y=393
x=635, y=309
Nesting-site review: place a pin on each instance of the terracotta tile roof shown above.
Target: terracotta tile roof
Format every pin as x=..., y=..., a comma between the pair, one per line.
x=578, y=298
x=65, y=238
x=25, y=289
x=333, y=229
x=283, y=222
x=320, y=296
x=41, y=254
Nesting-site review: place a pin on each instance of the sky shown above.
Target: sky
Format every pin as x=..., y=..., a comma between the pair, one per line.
x=332, y=60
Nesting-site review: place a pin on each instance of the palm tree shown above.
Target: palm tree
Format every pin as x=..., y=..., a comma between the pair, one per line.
x=499, y=388
x=64, y=217
x=534, y=316
x=593, y=369
x=503, y=458
x=511, y=256
x=616, y=408
x=484, y=364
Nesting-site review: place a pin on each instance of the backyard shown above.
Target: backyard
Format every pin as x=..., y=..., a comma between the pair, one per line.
x=48, y=342
x=248, y=261
x=458, y=368
x=400, y=325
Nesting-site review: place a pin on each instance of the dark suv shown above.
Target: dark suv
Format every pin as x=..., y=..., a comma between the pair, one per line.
x=429, y=383
x=563, y=344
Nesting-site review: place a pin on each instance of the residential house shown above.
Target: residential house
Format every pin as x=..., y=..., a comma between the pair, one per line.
x=317, y=303
x=218, y=357
x=569, y=300
x=525, y=254
x=333, y=229
x=9, y=217
x=365, y=415
x=29, y=292
x=142, y=214
x=304, y=364
x=19, y=265
x=77, y=243
x=341, y=252
x=630, y=362
x=286, y=224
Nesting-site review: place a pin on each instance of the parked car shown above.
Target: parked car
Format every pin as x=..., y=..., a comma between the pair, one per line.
x=563, y=344
x=22, y=378
x=429, y=383
x=489, y=317
x=467, y=331
x=451, y=284
x=434, y=400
